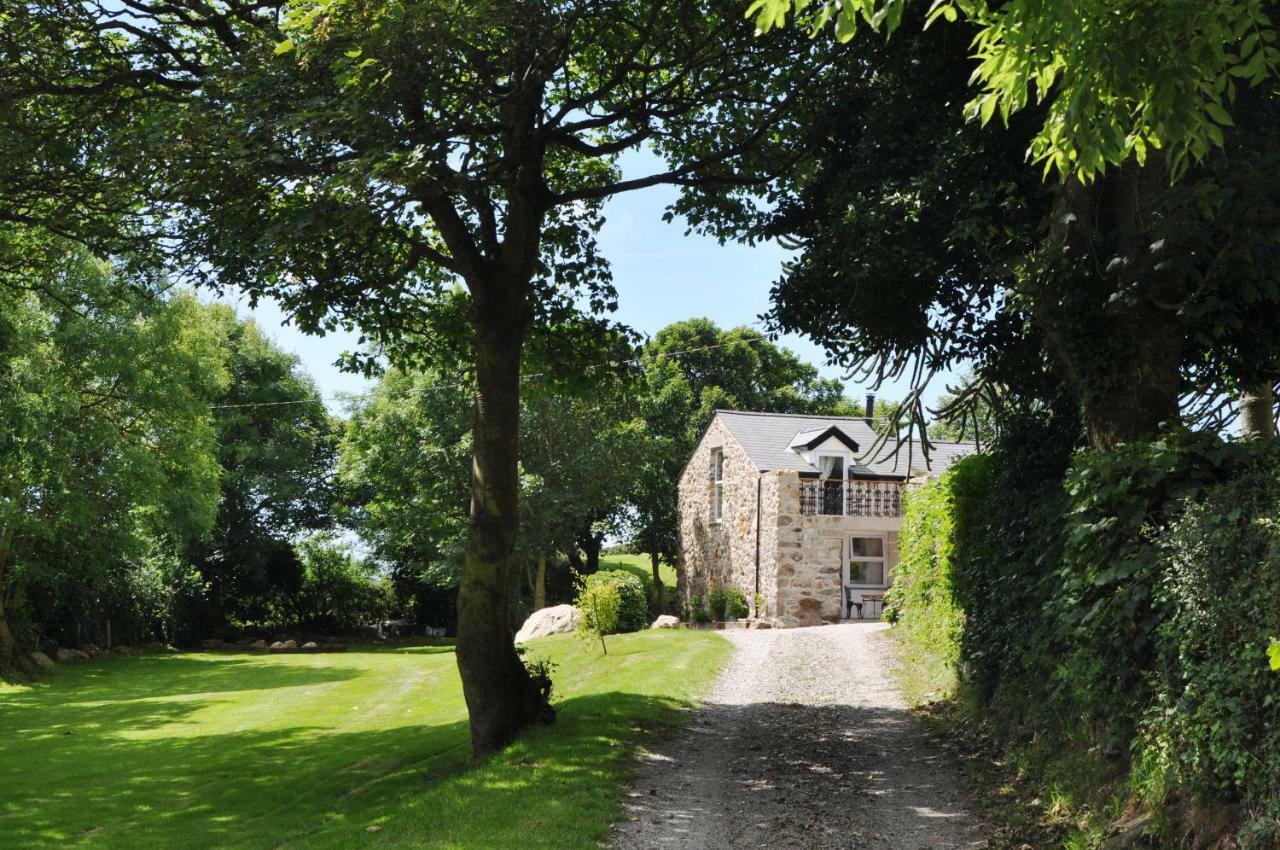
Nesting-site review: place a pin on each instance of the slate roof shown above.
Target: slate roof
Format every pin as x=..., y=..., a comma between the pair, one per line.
x=768, y=437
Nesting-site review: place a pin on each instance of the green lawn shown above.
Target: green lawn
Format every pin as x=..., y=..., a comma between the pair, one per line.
x=364, y=748
x=639, y=565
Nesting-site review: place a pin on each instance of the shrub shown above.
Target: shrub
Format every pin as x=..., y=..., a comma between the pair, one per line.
x=1215, y=721
x=922, y=601
x=599, y=604
x=735, y=604
x=633, y=610
x=717, y=602
x=700, y=614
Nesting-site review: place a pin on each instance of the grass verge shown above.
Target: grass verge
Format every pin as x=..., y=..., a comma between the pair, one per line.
x=367, y=748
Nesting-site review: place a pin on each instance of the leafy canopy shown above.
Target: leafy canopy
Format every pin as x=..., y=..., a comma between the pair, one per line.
x=1116, y=80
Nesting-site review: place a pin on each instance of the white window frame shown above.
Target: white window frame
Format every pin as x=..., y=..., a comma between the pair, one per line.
x=883, y=559
x=717, y=484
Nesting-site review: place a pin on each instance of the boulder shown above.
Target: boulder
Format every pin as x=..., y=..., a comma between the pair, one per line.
x=666, y=621
x=64, y=654
x=258, y=644
x=309, y=645
x=289, y=644
x=91, y=650
x=126, y=651
x=548, y=621
x=278, y=645
x=212, y=643
x=42, y=661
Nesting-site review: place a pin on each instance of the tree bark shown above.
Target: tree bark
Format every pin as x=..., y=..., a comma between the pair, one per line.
x=9, y=646
x=501, y=698
x=1109, y=304
x=591, y=545
x=540, y=583
x=660, y=593
x=1257, y=412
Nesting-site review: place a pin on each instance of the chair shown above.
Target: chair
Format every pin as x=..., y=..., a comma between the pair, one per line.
x=850, y=604
x=876, y=601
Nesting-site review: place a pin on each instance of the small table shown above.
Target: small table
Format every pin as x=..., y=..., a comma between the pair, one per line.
x=874, y=602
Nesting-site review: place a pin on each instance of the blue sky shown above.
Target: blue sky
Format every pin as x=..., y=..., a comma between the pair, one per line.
x=661, y=275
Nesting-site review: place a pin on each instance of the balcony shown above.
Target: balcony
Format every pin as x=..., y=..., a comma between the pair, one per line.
x=851, y=498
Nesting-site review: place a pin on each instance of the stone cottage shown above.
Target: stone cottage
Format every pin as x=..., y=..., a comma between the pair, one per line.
x=797, y=512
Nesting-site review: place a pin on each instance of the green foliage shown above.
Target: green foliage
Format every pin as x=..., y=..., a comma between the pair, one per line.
x=338, y=593
x=277, y=448
x=108, y=464
x=922, y=601
x=717, y=602
x=1114, y=83
x=1214, y=722
x=1119, y=602
x=633, y=606
x=726, y=602
x=599, y=606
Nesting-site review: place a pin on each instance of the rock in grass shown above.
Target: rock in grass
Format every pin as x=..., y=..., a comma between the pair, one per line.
x=65, y=654
x=309, y=645
x=665, y=621
x=548, y=621
x=42, y=661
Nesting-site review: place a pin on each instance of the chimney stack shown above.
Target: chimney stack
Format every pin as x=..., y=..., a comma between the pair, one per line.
x=870, y=413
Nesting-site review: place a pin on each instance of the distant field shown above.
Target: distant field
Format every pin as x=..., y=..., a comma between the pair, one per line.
x=639, y=564
x=366, y=748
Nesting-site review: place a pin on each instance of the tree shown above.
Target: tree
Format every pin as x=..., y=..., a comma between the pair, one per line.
x=107, y=463
x=367, y=155
x=1115, y=83
x=277, y=449
x=926, y=243
x=692, y=368
x=404, y=461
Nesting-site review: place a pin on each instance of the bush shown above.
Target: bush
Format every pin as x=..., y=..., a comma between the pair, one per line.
x=735, y=604
x=922, y=602
x=633, y=610
x=599, y=604
x=717, y=602
x=1215, y=721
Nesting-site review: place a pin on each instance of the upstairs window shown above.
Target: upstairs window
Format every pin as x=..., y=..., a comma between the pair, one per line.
x=717, y=484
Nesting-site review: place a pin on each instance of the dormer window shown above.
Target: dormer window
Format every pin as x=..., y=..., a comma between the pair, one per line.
x=717, y=484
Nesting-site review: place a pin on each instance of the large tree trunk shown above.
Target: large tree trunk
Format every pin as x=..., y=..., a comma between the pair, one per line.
x=501, y=698
x=591, y=544
x=660, y=593
x=10, y=649
x=1109, y=304
x=1257, y=412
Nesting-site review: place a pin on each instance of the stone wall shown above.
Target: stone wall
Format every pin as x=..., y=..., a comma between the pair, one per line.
x=809, y=566
x=718, y=552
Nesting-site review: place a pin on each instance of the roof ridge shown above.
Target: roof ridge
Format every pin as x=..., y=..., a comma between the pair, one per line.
x=792, y=415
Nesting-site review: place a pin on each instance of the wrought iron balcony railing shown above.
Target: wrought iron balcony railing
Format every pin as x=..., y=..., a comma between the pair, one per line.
x=851, y=498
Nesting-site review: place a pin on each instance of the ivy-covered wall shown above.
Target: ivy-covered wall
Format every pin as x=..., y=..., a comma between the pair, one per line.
x=1114, y=605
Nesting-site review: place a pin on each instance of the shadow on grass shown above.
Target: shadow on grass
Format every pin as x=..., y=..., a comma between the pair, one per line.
x=76, y=781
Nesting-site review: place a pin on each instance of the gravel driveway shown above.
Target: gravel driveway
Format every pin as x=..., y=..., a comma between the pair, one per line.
x=803, y=743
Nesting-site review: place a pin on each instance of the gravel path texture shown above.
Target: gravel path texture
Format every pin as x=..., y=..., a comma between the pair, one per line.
x=804, y=742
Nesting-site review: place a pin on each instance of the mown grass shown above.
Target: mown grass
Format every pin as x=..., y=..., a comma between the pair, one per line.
x=639, y=565
x=367, y=748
